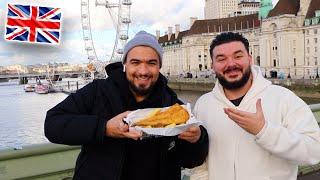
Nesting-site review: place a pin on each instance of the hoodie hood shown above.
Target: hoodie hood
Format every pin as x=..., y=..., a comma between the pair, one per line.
x=259, y=83
x=116, y=75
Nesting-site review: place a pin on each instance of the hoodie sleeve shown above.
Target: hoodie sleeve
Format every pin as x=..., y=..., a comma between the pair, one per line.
x=70, y=121
x=297, y=138
x=193, y=154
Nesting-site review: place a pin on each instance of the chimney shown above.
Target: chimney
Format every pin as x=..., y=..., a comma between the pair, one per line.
x=192, y=20
x=158, y=34
x=177, y=31
x=304, y=6
x=169, y=32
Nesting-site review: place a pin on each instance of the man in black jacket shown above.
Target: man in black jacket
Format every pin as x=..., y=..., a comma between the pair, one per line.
x=93, y=118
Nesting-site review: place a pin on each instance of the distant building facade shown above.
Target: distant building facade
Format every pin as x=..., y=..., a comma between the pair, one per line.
x=246, y=7
x=285, y=42
x=216, y=9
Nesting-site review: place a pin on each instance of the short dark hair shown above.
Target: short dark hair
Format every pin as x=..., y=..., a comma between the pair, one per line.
x=226, y=38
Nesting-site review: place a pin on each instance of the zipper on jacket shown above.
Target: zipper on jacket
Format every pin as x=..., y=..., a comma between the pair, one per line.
x=234, y=170
x=236, y=154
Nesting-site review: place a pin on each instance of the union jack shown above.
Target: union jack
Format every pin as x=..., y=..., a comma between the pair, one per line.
x=33, y=24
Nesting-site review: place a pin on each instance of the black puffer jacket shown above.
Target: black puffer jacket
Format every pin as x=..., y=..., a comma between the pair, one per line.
x=81, y=118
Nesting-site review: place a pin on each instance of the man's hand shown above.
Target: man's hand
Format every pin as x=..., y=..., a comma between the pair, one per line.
x=116, y=128
x=251, y=122
x=192, y=134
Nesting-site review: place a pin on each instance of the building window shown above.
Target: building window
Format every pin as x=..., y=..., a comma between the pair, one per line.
x=315, y=49
x=307, y=32
x=274, y=63
x=307, y=41
x=307, y=22
x=308, y=50
x=315, y=61
x=294, y=62
x=258, y=60
x=294, y=50
x=315, y=21
x=315, y=31
x=315, y=40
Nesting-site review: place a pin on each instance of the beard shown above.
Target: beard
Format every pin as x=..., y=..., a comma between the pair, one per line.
x=141, y=90
x=235, y=84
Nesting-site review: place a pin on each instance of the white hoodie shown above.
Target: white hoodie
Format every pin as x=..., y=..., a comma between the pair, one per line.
x=290, y=137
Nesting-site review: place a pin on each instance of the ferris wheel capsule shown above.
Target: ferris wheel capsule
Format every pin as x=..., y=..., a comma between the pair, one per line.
x=127, y=2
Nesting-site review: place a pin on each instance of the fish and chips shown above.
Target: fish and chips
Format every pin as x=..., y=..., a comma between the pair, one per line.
x=170, y=117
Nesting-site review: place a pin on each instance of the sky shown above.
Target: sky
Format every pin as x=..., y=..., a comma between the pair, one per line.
x=148, y=15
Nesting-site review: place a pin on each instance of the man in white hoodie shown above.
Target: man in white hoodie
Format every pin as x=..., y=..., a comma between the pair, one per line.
x=257, y=131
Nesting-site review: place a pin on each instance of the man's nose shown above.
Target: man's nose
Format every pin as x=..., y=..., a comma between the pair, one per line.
x=143, y=69
x=230, y=61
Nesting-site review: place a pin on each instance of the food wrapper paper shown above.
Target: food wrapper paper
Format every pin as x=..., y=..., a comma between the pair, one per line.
x=163, y=131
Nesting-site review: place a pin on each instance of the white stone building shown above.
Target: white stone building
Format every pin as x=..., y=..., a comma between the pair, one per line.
x=286, y=42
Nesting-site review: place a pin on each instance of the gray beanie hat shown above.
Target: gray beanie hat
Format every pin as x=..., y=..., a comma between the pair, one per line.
x=143, y=38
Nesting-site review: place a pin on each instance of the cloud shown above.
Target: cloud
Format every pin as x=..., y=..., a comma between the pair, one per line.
x=2, y=19
x=145, y=14
x=6, y=54
x=165, y=14
x=274, y=2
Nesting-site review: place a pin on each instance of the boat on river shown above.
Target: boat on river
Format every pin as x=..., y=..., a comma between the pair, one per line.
x=29, y=88
x=42, y=89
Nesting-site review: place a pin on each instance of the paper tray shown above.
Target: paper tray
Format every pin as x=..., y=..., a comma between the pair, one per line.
x=170, y=131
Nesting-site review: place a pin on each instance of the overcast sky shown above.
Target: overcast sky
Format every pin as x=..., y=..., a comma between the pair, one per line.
x=149, y=15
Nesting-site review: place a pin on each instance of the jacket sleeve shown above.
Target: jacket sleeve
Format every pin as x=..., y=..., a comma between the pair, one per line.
x=71, y=123
x=193, y=154
x=297, y=138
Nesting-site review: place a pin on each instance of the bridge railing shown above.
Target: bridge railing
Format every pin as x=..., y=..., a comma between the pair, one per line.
x=52, y=161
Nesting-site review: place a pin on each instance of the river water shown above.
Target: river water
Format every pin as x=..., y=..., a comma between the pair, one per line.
x=22, y=114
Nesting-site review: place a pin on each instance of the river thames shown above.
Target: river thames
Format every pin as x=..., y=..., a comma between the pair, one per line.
x=22, y=114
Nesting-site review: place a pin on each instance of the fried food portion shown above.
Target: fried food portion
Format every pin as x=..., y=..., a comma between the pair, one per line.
x=175, y=114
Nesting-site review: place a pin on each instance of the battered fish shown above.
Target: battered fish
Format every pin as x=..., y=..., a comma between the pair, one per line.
x=175, y=114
